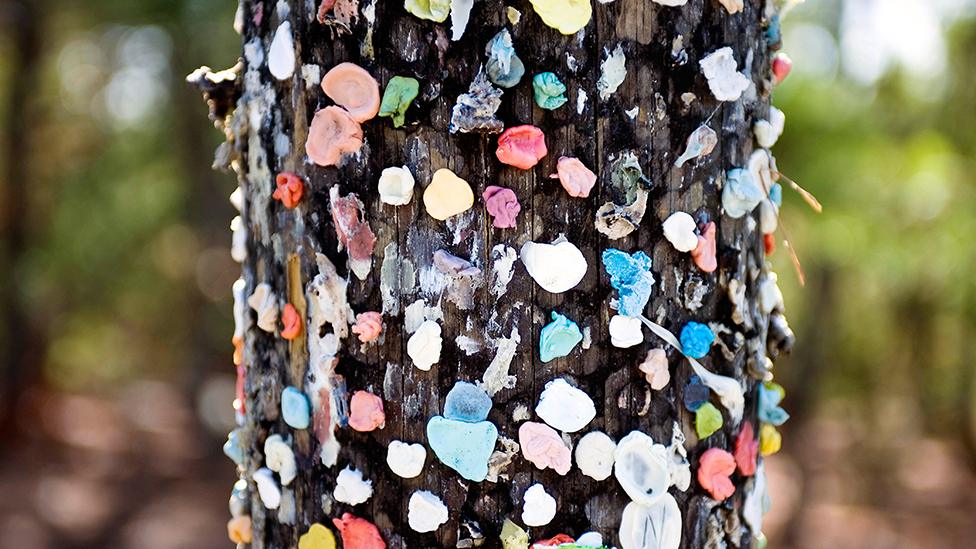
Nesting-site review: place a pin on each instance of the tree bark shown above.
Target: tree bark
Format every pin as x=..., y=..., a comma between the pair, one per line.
x=266, y=135
x=21, y=341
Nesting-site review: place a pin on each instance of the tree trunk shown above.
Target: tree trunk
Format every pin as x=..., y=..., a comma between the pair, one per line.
x=650, y=114
x=21, y=341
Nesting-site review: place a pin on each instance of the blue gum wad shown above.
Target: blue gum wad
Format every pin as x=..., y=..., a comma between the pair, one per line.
x=295, y=409
x=466, y=402
x=770, y=395
x=696, y=394
x=233, y=448
x=504, y=67
x=696, y=339
x=463, y=445
x=776, y=194
x=558, y=338
x=630, y=275
x=549, y=92
x=741, y=193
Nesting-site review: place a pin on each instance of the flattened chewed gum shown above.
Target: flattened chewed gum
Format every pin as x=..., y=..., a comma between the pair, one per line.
x=368, y=327
x=521, y=146
x=502, y=205
x=358, y=532
x=704, y=254
x=333, y=133
x=714, y=469
x=543, y=446
x=292, y=322
x=289, y=189
x=352, y=88
x=366, y=412
x=577, y=179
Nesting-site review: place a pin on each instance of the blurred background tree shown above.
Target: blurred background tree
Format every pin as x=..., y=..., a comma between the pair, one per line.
x=115, y=276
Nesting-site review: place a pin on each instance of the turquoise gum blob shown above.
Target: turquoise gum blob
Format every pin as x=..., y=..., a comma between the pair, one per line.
x=549, y=92
x=558, y=338
x=463, y=440
x=630, y=275
x=770, y=395
x=467, y=403
x=464, y=447
x=696, y=339
x=295, y=409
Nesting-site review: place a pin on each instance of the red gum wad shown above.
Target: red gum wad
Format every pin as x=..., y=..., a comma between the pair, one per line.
x=289, y=189
x=358, y=533
x=521, y=146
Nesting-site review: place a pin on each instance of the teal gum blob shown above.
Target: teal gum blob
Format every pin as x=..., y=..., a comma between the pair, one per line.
x=549, y=91
x=558, y=338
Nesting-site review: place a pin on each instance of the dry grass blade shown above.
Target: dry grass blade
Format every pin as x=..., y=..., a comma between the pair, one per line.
x=807, y=195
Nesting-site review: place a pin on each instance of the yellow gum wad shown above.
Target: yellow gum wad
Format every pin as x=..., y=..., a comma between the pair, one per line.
x=447, y=195
x=566, y=16
x=317, y=537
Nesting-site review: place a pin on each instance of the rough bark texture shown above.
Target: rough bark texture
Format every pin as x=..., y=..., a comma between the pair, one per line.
x=269, y=128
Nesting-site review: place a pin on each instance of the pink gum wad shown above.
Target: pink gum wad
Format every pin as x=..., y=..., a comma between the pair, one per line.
x=714, y=469
x=369, y=326
x=333, y=133
x=704, y=254
x=502, y=205
x=577, y=179
x=366, y=412
x=543, y=446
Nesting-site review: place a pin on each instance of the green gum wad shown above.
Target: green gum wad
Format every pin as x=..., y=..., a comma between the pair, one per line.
x=708, y=419
x=400, y=92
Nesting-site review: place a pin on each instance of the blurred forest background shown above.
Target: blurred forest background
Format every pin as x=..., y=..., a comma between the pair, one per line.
x=115, y=276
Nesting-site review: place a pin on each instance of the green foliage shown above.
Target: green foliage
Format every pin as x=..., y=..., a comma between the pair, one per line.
x=117, y=246
x=890, y=306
